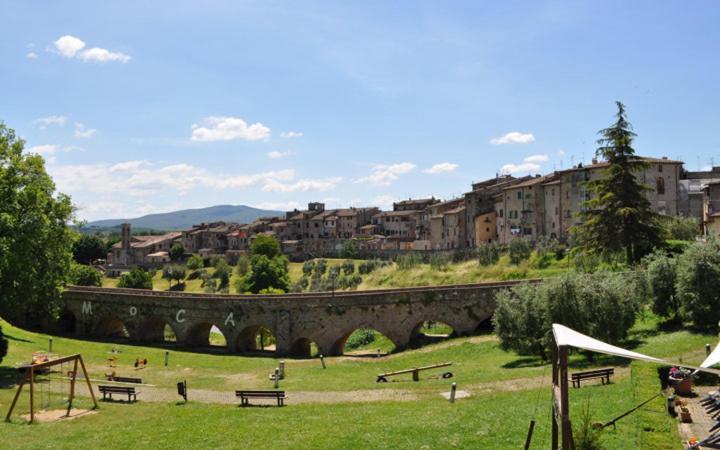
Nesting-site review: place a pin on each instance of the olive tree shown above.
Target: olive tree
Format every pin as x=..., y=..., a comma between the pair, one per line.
x=698, y=283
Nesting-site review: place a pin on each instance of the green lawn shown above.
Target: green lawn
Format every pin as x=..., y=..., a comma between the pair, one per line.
x=507, y=391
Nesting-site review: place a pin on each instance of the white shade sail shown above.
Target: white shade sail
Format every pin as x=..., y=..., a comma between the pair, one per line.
x=567, y=336
x=713, y=358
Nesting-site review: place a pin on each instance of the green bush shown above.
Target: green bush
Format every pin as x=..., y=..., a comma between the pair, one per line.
x=349, y=250
x=520, y=320
x=177, y=252
x=439, y=261
x=320, y=267
x=308, y=267
x=408, y=261
x=137, y=278
x=222, y=272
x=243, y=265
x=264, y=244
x=661, y=276
x=361, y=337
x=348, y=267
x=681, y=228
x=266, y=273
x=698, y=283
x=488, y=254
x=82, y=275
x=195, y=262
x=88, y=249
x=519, y=250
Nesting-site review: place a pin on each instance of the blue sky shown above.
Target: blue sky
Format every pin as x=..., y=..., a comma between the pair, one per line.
x=145, y=107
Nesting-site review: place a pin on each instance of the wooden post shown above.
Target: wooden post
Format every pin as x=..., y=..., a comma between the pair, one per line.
x=32, y=394
x=322, y=361
x=555, y=412
x=416, y=375
x=17, y=395
x=277, y=377
x=564, y=403
x=453, y=388
x=87, y=380
x=72, y=388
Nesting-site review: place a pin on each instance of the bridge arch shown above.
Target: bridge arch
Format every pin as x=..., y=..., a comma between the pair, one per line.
x=338, y=347
x=155, y=329
x=199, y=335
x=429, y=331
x=112, y=326
x=256, y=338
x=67, y=322
x=304, y=348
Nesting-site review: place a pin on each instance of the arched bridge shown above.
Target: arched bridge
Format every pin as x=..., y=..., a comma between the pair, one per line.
x=295, y=320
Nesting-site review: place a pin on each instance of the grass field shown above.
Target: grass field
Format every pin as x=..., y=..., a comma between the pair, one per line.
x=393, y=277
x=342, y=406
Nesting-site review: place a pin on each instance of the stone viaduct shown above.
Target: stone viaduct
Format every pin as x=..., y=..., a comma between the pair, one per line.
x=295, y=320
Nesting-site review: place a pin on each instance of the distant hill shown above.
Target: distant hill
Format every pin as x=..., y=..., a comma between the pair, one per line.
x=178, y=220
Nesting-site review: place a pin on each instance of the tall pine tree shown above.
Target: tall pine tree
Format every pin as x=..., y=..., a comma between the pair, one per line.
x=617, y=217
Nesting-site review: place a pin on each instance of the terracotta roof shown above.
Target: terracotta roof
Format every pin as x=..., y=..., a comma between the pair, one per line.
x=601, y=164
x=535, y=181
x=410, y=212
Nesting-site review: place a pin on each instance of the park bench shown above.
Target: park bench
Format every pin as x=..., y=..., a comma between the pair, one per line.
x=603, y=374
x=125, y=379
x=108, y=391
x=245, y=396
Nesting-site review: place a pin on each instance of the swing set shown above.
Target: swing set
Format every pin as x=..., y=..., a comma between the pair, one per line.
x=34, y=375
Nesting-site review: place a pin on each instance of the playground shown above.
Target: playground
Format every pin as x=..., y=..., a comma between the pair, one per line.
x=341, y=405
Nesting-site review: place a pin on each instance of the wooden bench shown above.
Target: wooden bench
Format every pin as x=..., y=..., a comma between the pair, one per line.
x=108, y=391
x=245, y=396
x=603, y=374
x=125, y=379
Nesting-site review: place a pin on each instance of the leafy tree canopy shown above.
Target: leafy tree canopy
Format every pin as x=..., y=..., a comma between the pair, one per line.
x=35, y=239
x=3, y=345
x=617, y=218
x=88, y=249
x=82, y=275
x=177, y=251
x=264, y=244
x=137, y=278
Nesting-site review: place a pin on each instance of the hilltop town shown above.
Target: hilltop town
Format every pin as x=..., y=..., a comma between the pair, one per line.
x=499, y=209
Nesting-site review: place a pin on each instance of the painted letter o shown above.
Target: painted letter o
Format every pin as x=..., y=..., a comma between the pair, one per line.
x=133, y=311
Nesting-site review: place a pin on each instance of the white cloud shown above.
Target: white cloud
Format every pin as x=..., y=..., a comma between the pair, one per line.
x=278, y=206
x=43, y=122
x=536, y=158
x=519, y=168
x=216, y=128
x=128, y=166
x=513, y=137
x=72, y=47
x=103, y=55
x=441, y=168
x=561, y=152
x=31, y=55
x=69, y=46
x=291, y=134
x=319, y=185
x=46, y=149
x=278, y=155
x=82, y=132
x=384, y=201
x=383, y=175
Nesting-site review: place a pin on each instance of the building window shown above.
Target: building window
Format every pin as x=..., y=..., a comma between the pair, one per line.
x=660, y=167
x=519, y=195
x=501, y=213
x=660, y=185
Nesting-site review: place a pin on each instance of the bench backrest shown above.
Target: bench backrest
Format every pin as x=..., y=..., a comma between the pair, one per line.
x=592, y=373
x=259, y=393
x=127, y=380
x=124, y=389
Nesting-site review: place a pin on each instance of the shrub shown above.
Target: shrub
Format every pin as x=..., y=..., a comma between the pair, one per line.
x=661, y=275
x=560, y=251
x=348, y=267
x=243, y=265
x=361, y=337
x=88, y=249
x=195, y=262
x=82, y=275
x=681, y=228
x=408, y=261
x=349, y=250
x=267, y=273
x=698, y=283
x=137, y=278
x=520, y=320
x=222, y=272
x=519, y=250
x=308, y=267
x=209, y=284
x=320, y=267
x=439, y=261
x=488, y=254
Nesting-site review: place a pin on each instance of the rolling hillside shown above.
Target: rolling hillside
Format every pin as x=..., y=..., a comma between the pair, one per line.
x=187, y=217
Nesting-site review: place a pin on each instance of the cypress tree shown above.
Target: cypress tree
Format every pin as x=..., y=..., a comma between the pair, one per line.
x=617, y=218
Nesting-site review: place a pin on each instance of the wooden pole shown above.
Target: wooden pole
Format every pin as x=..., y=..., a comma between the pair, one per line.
x=72, y=389
x=564, y=403
x=555, y=412
x=32, y=394
x=528, y=439
x=87, y=380
x=17, y=395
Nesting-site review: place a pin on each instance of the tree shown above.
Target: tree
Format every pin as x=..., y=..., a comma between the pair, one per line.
x=243, y=265
x=3, y=345
x=173, y=272
x=617, y=218
x=177, y=251
x=698, y=283
x=267, y=273
x=88, y=249
x=488, y=254
x=35, y=239
x=661, y=275
x=349, y=250
x=137, y=278
x=82, y=275
x=264, y=244
x=195, y=262
x=519, y=250
x=222, y=272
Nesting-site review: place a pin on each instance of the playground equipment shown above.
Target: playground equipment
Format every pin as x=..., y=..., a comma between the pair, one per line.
x=44, y=365
x=382, y=378
x=140, y=363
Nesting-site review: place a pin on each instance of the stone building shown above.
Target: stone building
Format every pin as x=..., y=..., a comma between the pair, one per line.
x=145, y=251
x=692, y=191
x=711, y=208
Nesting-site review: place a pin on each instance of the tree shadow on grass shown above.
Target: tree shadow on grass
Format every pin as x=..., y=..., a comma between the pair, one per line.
x=17, y=339
x=573, y=363
x=9, y=377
